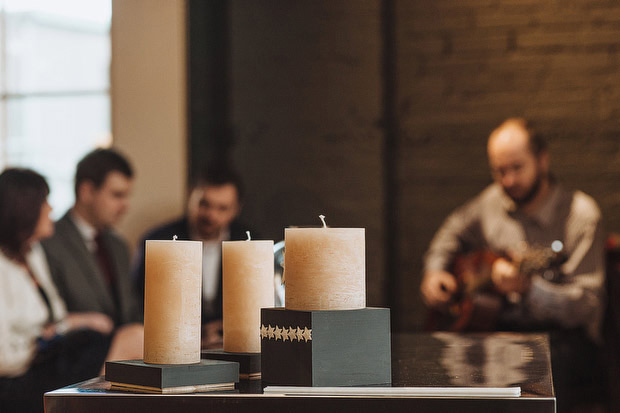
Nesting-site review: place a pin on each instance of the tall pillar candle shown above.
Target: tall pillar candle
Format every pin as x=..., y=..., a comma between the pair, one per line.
x=248, y=274
x=325, y=268
x=172, y=302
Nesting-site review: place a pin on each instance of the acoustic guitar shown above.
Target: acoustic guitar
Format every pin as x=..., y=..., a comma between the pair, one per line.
x=476, y=306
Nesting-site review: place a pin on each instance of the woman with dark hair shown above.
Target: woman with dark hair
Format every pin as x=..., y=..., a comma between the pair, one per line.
x=42, y=347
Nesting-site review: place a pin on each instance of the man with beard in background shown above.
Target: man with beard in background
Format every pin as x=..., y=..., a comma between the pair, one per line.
x=213, y=205
x=526, y=206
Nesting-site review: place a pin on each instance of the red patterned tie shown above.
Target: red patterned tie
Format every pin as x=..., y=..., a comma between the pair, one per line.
x=105, y=264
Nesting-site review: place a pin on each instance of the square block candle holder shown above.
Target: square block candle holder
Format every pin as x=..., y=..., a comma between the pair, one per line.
x=138, y=376
x=326, y=348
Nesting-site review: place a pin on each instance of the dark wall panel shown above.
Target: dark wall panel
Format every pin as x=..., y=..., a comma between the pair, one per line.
x=306, y=103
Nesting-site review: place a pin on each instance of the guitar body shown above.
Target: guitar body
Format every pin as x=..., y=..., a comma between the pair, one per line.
x=477, y=306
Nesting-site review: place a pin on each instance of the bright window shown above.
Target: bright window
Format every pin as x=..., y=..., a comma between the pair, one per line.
x=54, y=87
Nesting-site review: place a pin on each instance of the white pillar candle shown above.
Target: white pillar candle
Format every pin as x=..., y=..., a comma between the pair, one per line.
x=325, y=268
x=172, y=302
x=247, y=284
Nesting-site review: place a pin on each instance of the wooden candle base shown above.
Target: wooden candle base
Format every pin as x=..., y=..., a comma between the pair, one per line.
x=138, y=376
x=249, y=363
x=326, y=348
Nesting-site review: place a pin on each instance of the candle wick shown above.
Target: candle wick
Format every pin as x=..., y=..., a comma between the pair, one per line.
x=174, y=237
x=323, y=219
x=249, y=238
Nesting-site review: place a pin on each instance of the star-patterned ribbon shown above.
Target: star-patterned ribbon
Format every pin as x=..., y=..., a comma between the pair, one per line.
x=285, y=333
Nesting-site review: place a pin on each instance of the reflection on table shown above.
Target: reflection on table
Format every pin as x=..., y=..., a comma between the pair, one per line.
x=438, y=359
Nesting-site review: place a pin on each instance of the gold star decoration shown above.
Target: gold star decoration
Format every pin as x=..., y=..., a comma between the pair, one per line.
x=291, y=334
x=284, y=333
x=278, y=333
x=307, y=334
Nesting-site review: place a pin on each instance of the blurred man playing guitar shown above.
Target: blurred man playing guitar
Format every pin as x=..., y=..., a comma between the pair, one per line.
x=524, y=205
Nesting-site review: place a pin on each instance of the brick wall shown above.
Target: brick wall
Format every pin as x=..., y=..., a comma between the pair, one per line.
x=464, y=66
x=306, y=104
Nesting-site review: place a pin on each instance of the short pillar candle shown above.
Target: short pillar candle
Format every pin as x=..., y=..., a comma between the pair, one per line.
x=172, y=302
x=247, y=284
x=325, y=268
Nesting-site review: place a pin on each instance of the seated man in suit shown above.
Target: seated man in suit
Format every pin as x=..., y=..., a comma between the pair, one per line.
x=213, y=206
x=89, y=261
x=525, y=205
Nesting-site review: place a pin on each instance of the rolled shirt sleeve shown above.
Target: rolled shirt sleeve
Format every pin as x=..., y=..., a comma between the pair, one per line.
x=458, y=233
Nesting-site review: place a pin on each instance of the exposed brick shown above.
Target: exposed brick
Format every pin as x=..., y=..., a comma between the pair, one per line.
x=585, y=37
x=473, y=42
x=435, y=21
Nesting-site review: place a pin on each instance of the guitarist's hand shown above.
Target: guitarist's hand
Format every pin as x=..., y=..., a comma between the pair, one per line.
x=437, y=288
x=507, y=278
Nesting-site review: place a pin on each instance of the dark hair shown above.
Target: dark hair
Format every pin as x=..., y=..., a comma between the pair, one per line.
x=537, y=142
x=22, y=194
x=218, y=176
x=96, y=166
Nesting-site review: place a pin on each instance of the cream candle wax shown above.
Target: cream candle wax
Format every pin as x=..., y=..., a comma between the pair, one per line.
x=247, y=284
x=172, y=302
x=325, y=268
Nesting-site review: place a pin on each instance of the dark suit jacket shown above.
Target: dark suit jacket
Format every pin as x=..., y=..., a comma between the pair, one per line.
x=180, y=228
x=79, y=280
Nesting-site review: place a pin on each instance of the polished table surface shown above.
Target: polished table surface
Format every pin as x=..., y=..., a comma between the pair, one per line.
x=436, y=360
